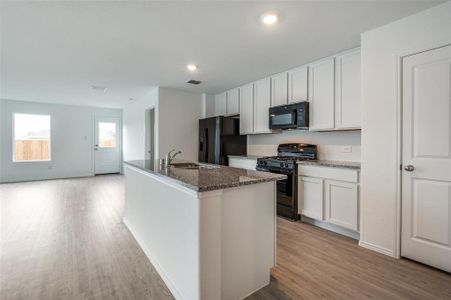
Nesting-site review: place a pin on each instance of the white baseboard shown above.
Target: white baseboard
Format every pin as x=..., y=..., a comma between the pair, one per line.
x=376, y=248
x=169, y=283
x=254, y=291
x=331, y=227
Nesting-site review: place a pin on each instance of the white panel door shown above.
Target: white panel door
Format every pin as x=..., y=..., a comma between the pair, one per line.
x=233, y=102
x=310, y=197
x=221, y=104
x=342, y=201
x=321, y=98
x=347, y=91
x=297, y=84
x=247, y=109
x=426, y=178
x=279, y=89
x=262, y=101
x=107, y=145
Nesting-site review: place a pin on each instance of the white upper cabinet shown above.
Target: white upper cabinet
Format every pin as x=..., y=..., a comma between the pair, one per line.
x=297, y=84
x=247, y=109
x=331, y=85
x=262, y=102
x=221, y=104
x=279, y=89
x=233, y=102
x=347, y=90
x=322, y=95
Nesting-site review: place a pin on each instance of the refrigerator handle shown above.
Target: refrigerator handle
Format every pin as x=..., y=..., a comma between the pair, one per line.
x=206, y=142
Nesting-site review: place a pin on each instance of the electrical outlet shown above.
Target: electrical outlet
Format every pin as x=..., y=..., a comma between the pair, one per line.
x=346, y=149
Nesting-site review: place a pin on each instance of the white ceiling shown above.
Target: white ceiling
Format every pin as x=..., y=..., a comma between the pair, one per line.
x=54, y=51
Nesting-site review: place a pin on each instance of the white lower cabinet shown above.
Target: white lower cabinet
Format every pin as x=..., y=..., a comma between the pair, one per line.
x=342, y=204
x=330, y=195
x=243, y=163
x=310, y=197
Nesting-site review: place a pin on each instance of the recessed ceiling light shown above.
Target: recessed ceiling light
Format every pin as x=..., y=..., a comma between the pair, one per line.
x=191, y=67
x=269, y=18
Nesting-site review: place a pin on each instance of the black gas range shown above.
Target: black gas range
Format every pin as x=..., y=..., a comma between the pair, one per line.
x=285, y=163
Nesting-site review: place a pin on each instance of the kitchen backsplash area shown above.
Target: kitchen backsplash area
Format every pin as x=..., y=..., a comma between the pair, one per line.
x=336, y=145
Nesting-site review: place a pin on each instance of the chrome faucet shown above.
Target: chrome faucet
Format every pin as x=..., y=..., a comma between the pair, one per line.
x=170, y=158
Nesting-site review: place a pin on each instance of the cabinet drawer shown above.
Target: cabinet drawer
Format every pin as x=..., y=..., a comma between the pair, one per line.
x=341, y=174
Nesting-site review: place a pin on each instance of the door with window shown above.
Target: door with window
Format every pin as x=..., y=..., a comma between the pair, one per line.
x=426, y=163
x=107, y=145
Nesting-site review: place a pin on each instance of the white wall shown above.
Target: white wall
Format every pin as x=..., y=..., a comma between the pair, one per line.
x=134, y=126
x=330, y=144
x=179, y=113
x=381, y=49
x=72, y=141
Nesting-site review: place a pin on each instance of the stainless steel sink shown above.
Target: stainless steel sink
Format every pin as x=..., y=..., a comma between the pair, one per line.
x=185, y=165
x=192, y=166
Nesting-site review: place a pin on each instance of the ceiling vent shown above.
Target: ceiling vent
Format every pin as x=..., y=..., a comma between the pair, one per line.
x=192, y=81
x=99, y=88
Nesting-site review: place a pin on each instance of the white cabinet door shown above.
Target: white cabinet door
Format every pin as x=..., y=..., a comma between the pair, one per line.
x=247, y=109
x=279, y=89
x=233, y=102
x=310, y=197
x=347, y=91
x=342, y=203
x=262, y=101
x=221, y=104
x=321, y=98
x=297, y=84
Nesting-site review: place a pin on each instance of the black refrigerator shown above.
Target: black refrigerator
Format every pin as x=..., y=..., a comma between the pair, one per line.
x=220, y=137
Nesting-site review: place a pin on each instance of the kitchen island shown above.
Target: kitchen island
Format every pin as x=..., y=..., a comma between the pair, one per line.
x=209, y=230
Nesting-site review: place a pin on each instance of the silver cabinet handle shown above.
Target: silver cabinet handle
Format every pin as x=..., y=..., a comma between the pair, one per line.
x=409, y=168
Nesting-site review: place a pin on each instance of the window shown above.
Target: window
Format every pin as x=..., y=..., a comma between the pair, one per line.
x=31, y=137
x=107, y=135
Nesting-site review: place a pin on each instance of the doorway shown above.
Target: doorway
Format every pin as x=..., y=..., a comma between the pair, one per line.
x=426, y=158
x=149, y=148
x=107, y=140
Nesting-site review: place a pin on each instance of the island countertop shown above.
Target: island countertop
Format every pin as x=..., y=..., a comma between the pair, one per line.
x=208, y=177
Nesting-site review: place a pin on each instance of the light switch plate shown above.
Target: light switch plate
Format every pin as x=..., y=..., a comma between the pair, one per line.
x=346, y=149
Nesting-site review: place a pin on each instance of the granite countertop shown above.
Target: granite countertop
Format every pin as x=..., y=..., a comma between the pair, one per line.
x=331, y=163
x=208, y=177
x=246, y=156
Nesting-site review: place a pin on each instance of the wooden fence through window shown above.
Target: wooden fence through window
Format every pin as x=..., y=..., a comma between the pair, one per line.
x=32, y=150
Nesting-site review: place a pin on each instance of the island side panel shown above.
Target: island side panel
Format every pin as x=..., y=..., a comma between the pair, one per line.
x=164, y=219
x=246, y=221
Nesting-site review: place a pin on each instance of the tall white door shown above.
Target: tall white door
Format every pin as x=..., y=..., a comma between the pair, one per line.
x=426, y=163
x=107, y=145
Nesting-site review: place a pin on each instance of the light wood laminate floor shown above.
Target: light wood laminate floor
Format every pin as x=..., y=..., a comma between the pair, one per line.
x=64, y=239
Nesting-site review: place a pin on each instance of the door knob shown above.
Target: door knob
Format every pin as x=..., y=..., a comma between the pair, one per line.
x=409, y=168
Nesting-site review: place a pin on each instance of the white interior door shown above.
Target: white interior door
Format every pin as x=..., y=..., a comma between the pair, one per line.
x=426, y=179
x=107, y=145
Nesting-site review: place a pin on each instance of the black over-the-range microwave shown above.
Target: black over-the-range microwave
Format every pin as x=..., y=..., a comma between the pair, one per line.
x=290, y=116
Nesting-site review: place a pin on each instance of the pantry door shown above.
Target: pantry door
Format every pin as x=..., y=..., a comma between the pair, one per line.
x=426, y=163
x=107, y=145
